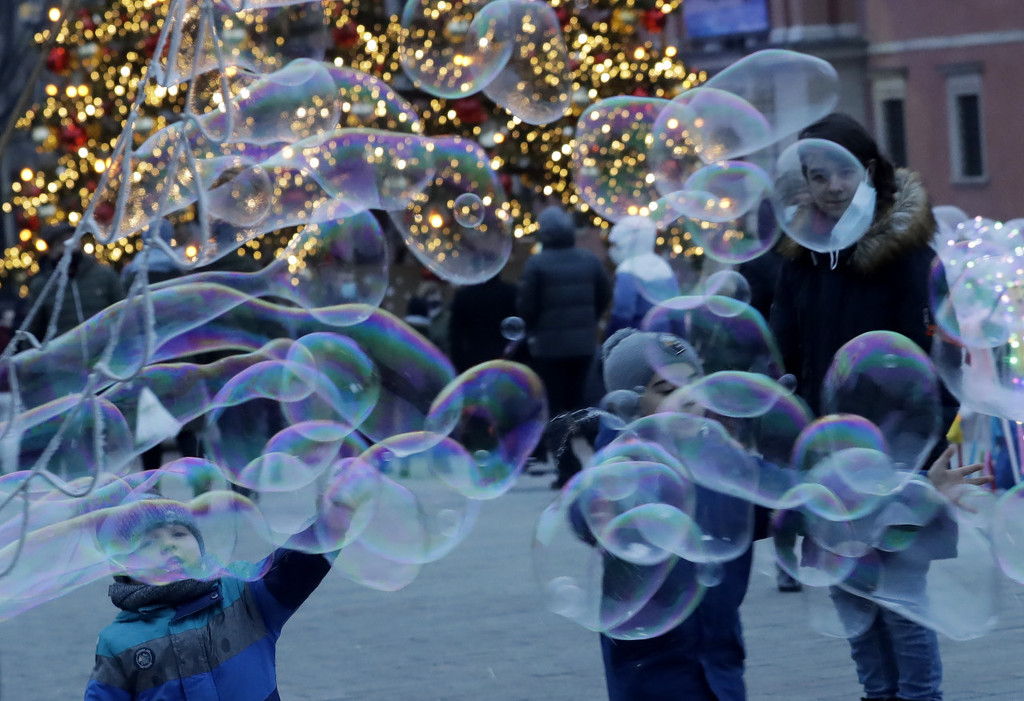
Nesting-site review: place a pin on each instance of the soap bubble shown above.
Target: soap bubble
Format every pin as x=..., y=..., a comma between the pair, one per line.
x=455, y=49
x=469, y=210
x=610, y=159
x=716, y=124
x=535, y=82
x=885, y=378
x=815, y=186
x=788, y=90
x=513, y=328
x=457, y=252
x=729, y=284
x=721, y=192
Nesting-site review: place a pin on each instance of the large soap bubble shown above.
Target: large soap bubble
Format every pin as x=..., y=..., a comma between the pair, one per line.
x=454, y=49
x=535, y=82
x=612, y=168
x=885, y=378
x=788, y=89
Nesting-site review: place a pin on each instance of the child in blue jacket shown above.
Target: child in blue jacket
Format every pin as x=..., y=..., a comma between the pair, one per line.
x=193, y=639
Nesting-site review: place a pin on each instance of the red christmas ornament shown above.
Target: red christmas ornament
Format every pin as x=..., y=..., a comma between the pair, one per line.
x=73, y=137
x=59, y=60
x=86, y=19
x=345, y=36
x=641, y=92
x=654, y=21
x=470, y=111
x=149, y=45
x=563, y=15
x=104, y=213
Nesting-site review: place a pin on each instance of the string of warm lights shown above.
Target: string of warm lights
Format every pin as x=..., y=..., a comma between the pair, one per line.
x=100, y=57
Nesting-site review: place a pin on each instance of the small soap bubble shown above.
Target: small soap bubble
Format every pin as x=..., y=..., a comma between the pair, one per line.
x=513, y=328
x=469, y=209
x=788, y=382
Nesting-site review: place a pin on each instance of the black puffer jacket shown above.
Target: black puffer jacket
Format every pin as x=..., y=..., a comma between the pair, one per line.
x=562, y=293
x=879, y=284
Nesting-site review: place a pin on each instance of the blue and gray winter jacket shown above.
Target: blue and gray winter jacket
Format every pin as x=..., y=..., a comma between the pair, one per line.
x=219, y=646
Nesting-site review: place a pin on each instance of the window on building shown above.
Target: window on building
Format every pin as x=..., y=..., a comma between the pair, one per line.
x=890, y=97
x=895, y=131
x=966, y=135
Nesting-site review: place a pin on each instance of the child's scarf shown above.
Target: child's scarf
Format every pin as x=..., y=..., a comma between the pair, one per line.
x=129, y=595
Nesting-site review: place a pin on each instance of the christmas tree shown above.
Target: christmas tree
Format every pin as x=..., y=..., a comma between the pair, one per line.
x=95, y=62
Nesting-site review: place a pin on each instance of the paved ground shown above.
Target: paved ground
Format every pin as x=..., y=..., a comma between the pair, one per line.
x=472, y=627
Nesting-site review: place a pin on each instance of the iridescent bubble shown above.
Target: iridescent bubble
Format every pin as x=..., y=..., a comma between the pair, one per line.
x=831, y=434
x=292, y=103
x=977, y=293
x=610, y=160
x=469, y=210
x=734, y=241
x=513, y=328
x=370, y=103
x=243, y=198
x=1007, y=530
x=726, y=333
x=721, y=191
x=459, y=253
x=819, y=195
x=496, y=409
x=885, y=378
x=536, y=81
x=729, y=284
x=714, y=461
x=788, y=90
x=454, y=49
x=595, y=589
x=788, y=382
x=126, y=536
x=416, y=523
x=986, y=380
x=717, y=126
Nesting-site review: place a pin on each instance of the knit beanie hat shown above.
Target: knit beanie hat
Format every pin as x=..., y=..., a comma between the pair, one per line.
x=631, y=357
x=123, y=531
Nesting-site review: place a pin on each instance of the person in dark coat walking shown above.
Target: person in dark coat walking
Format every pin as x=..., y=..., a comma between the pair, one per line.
x=878, y=283
x=562, y=293
x=474, y=326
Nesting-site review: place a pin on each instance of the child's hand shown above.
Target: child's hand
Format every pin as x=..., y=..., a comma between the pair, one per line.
x=954, y=482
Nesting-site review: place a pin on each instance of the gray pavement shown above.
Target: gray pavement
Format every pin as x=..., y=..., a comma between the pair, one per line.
x=472, y=627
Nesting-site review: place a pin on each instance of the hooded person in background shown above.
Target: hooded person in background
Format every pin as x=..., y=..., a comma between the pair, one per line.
x=642, y=278
x=91, y=286
x=561, y=295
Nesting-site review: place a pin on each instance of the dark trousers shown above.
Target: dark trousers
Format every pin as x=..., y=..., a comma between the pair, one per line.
x=564, y=379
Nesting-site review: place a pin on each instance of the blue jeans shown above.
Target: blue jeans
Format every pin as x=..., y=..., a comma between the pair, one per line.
x=895, y=657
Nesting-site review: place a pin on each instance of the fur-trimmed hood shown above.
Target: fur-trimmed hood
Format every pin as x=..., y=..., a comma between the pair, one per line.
x=906, y=226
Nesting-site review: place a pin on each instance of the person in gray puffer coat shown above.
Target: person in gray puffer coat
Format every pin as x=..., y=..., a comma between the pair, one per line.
x=562, y=293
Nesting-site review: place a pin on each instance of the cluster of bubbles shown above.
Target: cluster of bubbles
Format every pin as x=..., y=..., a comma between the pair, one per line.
x=326, y=423
x=634, y=541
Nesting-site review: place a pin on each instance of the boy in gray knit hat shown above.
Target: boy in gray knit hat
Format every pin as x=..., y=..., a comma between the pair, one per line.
x=649, y=363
